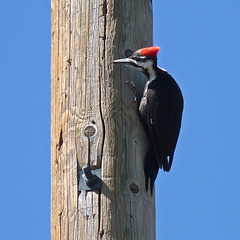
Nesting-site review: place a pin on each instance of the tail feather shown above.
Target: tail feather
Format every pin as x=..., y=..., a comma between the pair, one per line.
x=167, y=163
x=151, y=168
x=153, y=176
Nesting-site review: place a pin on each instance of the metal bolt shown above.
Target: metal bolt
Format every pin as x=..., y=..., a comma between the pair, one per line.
x=89, y=131
x=89, y=178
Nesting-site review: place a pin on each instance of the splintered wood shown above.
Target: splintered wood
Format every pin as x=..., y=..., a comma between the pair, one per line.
x=87, y=89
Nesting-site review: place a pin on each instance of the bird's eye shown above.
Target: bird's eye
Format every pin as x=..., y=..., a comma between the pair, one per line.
x=139, y=58
x=142, y=58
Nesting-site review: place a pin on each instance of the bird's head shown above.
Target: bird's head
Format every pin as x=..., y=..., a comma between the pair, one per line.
x=143, y=60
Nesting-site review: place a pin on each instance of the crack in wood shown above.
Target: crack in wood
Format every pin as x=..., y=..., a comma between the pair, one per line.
x=101, y=232
x=60, y=141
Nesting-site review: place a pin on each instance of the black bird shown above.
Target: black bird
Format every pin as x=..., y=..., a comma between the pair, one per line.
x=160, y=110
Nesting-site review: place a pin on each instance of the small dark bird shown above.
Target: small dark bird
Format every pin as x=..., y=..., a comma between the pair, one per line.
x=160, y=110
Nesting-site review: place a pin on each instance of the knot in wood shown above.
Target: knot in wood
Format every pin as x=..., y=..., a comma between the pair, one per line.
x=134, y=188
x=128, y=52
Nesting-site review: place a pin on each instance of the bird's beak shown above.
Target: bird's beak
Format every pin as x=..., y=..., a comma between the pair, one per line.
x=126, y=61
x=123, y=60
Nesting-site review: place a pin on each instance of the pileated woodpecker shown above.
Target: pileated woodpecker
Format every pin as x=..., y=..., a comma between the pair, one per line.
x=160, y=110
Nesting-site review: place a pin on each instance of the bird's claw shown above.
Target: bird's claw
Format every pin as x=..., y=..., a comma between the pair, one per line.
x=134, y=89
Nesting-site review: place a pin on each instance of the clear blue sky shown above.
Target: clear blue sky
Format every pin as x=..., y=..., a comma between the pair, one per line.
x=200, y=46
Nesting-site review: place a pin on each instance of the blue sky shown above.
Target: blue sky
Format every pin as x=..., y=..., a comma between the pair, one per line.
x=199, y=198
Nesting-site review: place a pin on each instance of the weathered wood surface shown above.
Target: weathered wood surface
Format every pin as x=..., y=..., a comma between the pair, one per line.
x=86, y=88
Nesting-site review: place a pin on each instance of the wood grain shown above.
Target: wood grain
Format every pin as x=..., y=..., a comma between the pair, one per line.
x=87, y=89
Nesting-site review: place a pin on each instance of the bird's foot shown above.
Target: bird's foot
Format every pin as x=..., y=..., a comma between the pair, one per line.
x=134, y=89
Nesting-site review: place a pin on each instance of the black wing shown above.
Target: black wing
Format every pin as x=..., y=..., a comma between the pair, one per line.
x=163, y=114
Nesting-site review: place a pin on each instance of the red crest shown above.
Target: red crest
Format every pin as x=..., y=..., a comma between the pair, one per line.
x=150, y=51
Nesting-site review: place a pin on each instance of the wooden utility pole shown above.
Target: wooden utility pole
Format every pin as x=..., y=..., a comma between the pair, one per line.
x=87, y=90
